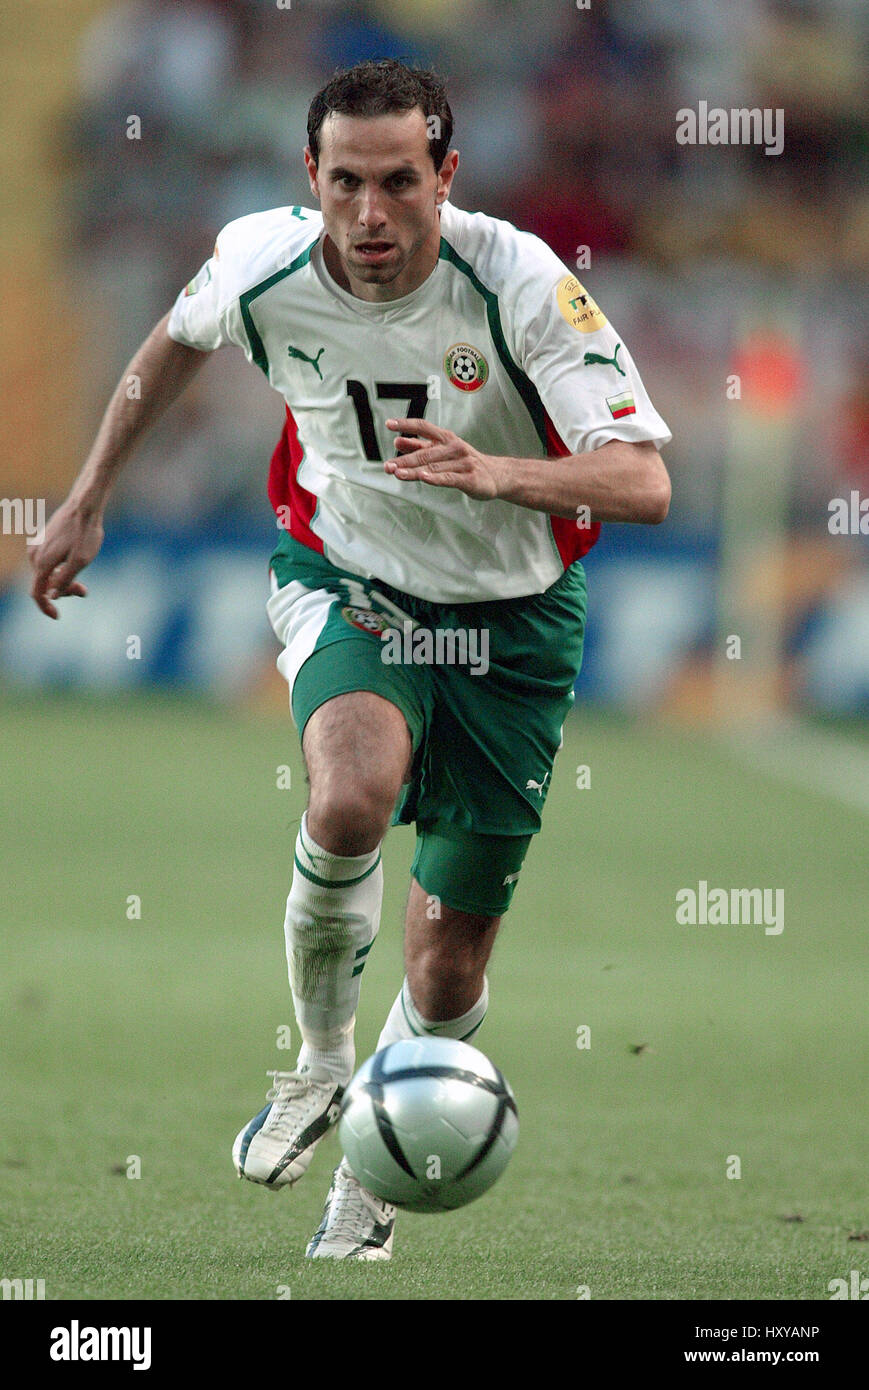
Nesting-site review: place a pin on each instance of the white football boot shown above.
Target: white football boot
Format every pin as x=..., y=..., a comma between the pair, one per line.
x=356, y=1225
x=277, y=1145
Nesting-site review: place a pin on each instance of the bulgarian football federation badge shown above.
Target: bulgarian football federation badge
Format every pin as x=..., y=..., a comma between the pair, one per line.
x=466, y=367
x=367, y=620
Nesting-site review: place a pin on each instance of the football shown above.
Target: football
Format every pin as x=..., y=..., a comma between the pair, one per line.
x=428, y=1124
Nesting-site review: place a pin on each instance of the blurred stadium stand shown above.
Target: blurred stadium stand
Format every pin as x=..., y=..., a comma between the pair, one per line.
x=709, y=259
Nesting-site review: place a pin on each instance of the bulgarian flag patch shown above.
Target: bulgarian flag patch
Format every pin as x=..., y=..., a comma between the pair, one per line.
x=200, y=279
x=621, y=405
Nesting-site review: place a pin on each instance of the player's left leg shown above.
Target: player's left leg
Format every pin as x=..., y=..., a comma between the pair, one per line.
x=445, y=995
x=446, y=952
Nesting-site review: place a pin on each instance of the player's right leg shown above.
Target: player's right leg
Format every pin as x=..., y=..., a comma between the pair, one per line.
x=357, y=749
x=358, y=718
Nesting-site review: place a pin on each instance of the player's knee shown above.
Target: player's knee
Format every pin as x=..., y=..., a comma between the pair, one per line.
x=350, y=818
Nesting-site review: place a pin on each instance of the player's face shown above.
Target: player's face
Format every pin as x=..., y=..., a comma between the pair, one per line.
x=379, y=195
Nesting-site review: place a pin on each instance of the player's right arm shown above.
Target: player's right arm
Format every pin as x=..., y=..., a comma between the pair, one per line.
x=205, y=316
x=161, y=369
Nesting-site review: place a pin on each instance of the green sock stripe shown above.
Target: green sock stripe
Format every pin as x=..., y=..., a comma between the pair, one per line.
x=331, y=882
x=432, y=1034
x=413, y=1030
x=305, y=846
x=358, y=971
x=363, y=950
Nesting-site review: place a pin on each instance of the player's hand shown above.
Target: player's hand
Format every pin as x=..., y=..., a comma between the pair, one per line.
x=72, y=539
x=429, y=454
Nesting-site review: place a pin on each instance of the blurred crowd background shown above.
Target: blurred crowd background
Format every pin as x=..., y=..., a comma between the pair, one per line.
x=710, y=260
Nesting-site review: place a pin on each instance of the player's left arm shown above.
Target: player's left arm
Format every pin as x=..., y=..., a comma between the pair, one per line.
x=618, y=481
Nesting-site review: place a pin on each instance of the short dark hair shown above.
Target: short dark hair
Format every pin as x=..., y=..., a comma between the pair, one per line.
x=378, y=87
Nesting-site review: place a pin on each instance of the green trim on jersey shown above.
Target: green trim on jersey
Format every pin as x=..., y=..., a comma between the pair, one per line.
x=524, y=385
x=257, y=348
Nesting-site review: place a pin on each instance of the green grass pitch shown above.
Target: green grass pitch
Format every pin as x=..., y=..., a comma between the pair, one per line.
x=151, y=1037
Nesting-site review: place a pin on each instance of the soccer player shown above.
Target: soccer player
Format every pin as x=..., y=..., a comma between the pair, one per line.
x=461, y=417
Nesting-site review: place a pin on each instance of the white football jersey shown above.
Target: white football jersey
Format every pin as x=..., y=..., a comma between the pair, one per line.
x=499, y=344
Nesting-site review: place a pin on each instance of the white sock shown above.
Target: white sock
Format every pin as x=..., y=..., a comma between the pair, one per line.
x=333, y=915
x=334, y=1050
x=405, y=1020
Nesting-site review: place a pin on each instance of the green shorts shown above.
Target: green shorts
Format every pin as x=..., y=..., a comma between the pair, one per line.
x=485, y=688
